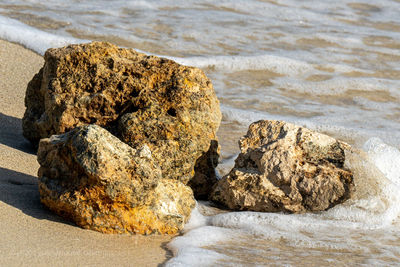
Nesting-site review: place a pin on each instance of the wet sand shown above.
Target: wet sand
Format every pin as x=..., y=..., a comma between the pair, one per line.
x=30, y=234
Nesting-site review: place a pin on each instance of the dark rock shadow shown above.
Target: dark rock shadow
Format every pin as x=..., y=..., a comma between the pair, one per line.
x=21, y=191
x=168, y=254
x=11, y=134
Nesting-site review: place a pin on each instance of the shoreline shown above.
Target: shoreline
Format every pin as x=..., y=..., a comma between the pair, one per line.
x=30, y=234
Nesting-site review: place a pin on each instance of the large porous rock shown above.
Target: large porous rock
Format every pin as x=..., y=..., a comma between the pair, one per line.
x=141, y=99
x=284, y=167
x=92, y=178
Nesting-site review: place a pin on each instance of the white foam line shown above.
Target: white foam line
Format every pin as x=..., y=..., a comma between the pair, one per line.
x=386, y=158
x=194, y=243
x=237, y=63
x=39, y=41
x=279, y=64
x=245, y=117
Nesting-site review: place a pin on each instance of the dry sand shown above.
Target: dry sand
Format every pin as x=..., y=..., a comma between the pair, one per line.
x=30, y=234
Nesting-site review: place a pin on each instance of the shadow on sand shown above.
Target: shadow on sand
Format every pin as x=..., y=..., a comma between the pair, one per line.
x=11, y=134
x=168, y=254
x=21, y=191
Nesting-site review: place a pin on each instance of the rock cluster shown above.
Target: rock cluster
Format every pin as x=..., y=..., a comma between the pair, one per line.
x=284, y=167
x=141, y=99
x=126, y=137
x=153, y=106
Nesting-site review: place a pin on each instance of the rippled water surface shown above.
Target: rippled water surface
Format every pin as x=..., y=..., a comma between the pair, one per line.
x=333, y=66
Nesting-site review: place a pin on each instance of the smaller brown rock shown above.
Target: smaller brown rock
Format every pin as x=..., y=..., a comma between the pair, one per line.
x=284, y=167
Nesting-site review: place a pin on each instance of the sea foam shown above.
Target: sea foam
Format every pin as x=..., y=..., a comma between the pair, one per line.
x=351, y=226
x=279, y=64
x=32, y=38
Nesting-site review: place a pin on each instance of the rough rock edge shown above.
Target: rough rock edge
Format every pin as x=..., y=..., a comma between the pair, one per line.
x=92, y=178
x=51, y=104
x=249, y=185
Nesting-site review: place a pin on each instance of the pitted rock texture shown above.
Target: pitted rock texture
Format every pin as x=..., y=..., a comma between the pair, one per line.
x=92, y=178
x=141, y=99
x=284, y=167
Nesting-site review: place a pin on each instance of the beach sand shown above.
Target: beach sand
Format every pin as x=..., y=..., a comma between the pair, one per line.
x=29, y=233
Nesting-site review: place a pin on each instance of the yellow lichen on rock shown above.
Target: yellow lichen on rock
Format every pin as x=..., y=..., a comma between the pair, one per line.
x=92, y=178
x=140, y=99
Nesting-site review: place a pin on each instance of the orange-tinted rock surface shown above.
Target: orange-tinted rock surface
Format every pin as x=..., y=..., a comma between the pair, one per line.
x=141, y=99
x=92, y=178
x=284, y=167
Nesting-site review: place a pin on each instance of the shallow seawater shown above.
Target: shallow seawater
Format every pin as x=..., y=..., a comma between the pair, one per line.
x=332, y=66
x=361, y=231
